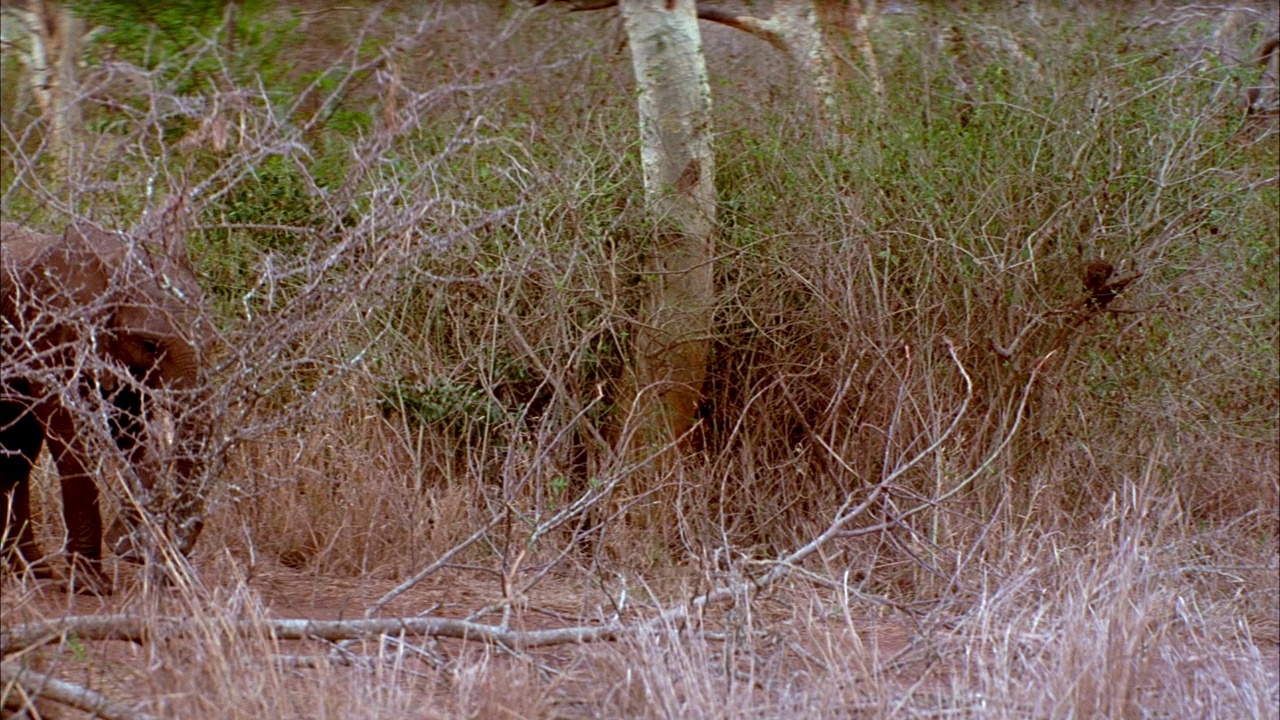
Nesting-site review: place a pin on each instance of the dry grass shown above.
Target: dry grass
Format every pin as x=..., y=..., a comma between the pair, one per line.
x=426, y=318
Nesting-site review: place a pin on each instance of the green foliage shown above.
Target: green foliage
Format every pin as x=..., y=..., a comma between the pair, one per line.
x=152, y=31
x=276, y=193
x=154, y=35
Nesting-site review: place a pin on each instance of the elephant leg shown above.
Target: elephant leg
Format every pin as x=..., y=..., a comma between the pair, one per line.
x=21, y=437
x=80, y=509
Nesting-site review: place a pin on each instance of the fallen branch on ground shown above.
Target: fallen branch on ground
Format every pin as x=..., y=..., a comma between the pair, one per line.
x=36, y=684
x=140, y=629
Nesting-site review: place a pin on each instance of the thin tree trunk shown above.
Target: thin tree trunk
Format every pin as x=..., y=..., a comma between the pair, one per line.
x=673, y=343
x=798, y=24
x=848, y=22
x=55, y=35
x=794, y=28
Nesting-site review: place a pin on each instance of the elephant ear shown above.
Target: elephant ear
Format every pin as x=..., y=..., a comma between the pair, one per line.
x=86, y=260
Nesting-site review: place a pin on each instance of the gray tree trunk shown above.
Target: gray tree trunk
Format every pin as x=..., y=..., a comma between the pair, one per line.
x=53, y=37
x=794, y=29
x=674, y=341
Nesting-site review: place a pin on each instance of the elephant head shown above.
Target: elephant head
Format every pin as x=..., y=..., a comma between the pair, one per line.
x=102, y=332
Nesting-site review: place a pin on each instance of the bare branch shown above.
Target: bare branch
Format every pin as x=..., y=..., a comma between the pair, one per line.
x=132, y=628
x=36, y=684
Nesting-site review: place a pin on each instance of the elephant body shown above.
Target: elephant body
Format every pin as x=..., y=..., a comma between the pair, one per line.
x=98, y=332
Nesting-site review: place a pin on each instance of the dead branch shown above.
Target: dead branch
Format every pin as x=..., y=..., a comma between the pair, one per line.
x=141, y=629
x=36, y=684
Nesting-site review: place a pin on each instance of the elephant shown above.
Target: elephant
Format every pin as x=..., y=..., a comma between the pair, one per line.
x=99, y=332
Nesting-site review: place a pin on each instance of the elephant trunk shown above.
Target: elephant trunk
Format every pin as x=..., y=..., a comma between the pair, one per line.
x=190, y=450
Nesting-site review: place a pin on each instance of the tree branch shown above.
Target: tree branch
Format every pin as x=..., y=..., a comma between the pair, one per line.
x=139, y=629
x=36, y=684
